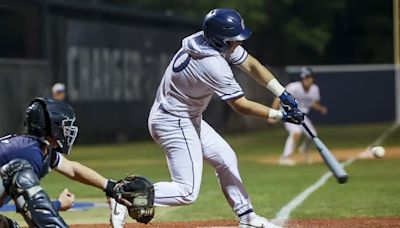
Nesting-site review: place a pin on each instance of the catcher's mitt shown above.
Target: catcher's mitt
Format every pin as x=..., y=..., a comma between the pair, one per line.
x=139, y=191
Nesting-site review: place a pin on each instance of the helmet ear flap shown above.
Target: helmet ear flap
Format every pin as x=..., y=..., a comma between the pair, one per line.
x=213, y=40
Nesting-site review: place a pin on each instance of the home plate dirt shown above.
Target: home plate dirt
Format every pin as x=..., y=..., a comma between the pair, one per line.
x=208, y=224
x=306, y=223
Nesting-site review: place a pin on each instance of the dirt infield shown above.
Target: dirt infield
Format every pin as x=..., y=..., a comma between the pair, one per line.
x=307, y=223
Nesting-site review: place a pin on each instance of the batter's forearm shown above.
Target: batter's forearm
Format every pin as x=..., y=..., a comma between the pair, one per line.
x=262, y=75
x=257, y=71
x=275, y=103
x=251, y=108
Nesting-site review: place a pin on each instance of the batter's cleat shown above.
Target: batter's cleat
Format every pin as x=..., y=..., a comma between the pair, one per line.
x=286, y=162
x=257, y=222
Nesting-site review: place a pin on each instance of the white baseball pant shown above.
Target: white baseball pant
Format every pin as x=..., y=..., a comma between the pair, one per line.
x=186, y=142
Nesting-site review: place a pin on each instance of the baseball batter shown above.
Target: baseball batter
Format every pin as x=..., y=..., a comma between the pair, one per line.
x=308, y=96
x=198, y=70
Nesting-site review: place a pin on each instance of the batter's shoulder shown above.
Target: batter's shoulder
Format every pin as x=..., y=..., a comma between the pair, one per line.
x=215, y=65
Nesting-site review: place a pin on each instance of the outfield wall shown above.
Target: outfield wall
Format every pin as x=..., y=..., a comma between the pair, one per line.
x=20, y=81
x=354, y=93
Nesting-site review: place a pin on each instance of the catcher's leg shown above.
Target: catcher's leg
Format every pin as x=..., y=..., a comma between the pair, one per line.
x=180, y=141
x=22, y=184
x=7, y=222
x=220, y=155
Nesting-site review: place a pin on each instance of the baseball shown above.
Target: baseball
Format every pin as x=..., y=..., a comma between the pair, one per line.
x=378, y=151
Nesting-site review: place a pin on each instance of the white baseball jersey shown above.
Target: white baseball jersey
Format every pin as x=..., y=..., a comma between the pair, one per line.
x=306, y=98
x=195, y=73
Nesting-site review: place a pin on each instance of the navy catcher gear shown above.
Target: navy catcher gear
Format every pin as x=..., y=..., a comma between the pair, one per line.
x=48, y=117
x=22, y=185
x=223, y=25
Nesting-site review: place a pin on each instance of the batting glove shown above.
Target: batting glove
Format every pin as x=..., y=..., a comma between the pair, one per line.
x=294, y=116
x=288, y=102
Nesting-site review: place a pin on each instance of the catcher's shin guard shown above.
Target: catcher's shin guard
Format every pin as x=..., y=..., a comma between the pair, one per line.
x=31, y=200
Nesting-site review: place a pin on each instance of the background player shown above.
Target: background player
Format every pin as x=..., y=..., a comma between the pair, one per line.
x=308, y=96
x=199, y=70
x=58, y=92
x=25, y=159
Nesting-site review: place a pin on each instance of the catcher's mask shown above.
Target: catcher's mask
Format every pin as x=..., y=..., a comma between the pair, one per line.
x=47, y=117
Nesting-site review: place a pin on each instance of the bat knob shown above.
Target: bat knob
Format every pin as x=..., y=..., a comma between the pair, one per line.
x=343, y=179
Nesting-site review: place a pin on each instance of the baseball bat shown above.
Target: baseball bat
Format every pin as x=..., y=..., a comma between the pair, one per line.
x=337, y=170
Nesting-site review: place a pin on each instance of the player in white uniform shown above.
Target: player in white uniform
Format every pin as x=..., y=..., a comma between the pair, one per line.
x=308, y=96
x=200, y=69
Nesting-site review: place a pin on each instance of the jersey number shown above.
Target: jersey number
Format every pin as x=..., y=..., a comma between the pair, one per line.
x=181, y=61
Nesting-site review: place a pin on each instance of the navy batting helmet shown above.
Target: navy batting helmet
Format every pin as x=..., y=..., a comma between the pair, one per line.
x=222, y=25
x=48, y=117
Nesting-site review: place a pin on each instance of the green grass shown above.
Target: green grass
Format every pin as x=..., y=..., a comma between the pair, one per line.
x=371, y=192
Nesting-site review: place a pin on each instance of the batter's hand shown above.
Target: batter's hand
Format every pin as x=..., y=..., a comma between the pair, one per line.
x=67, y=199
x=294, y=116
x=288, y=102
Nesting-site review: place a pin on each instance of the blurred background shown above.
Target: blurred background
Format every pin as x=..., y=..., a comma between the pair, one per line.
x=112, y=54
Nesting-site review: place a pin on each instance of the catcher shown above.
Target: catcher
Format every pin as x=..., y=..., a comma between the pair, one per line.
x=25, y=159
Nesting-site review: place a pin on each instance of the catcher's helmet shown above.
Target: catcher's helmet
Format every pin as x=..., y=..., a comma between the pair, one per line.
x=48, y=117
x=222, y=25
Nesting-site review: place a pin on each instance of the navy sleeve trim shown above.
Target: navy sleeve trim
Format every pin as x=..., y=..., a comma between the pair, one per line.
x=235, y=97
x=242, y=58
x=232, y=95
